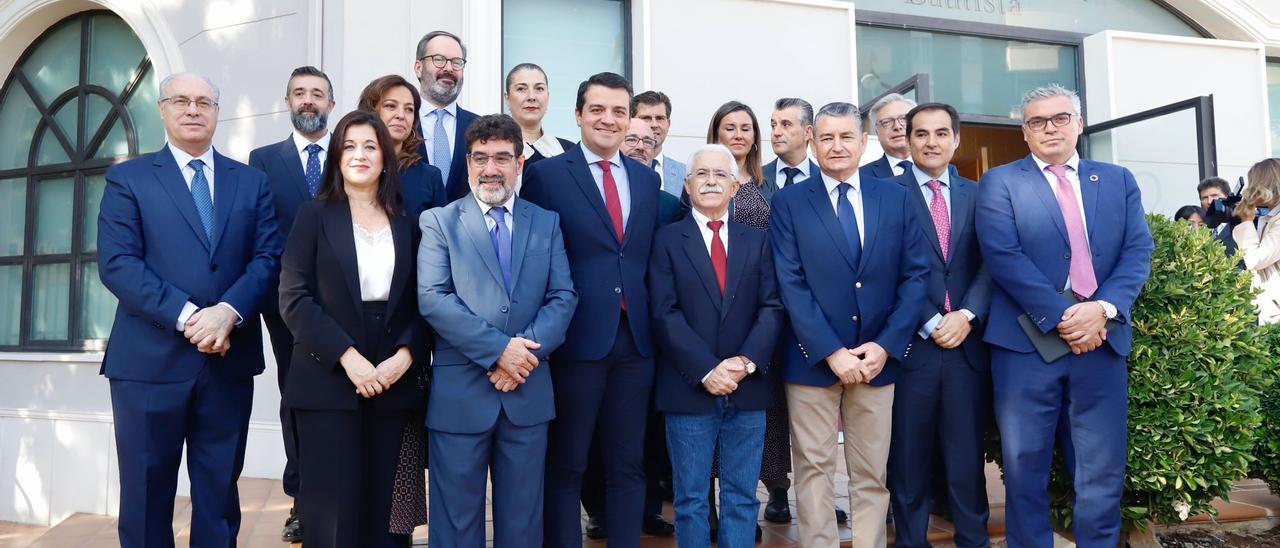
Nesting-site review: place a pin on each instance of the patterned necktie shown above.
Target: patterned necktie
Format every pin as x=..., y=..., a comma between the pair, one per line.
x=719, y=259
x=1083, y=281
x=313, y=169
x=441, y=154
x=791, y=173
x=501, y=238
x=941, y=223
x=203, y=198
x=848, y=221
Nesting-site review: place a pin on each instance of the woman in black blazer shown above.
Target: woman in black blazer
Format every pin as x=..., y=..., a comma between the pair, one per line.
x=348, y=294
x=527, y=95
x=397, y=103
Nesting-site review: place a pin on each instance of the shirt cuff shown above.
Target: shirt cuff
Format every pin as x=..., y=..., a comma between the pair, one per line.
x=968, y=314
x=187, y=310
x=926, y=331
x=707, y=376
x=239, y=318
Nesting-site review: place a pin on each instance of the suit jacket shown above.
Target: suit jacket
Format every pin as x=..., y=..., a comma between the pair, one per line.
x=963, y=274
x=673, y=173
x=422, y=188
x=604, y=271
x=880, y=169
x=833, y=302
x=288, y=184
x=696, y=327
x=461, y=294
x=154, y=257
x=770, y=186
x=321, y=304
x=1024, y=242
x=537, y=156
x=457, y=186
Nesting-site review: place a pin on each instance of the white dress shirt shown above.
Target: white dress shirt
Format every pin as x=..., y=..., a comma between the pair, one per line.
x=375, y=261
x=450, y=126
x=705, y=230
x=896, y=164
x=855, y=198
x=188, y=173
x=619, y=177
x=489, y=223
x=780, y=178
x=547, y=146
x=302, y=143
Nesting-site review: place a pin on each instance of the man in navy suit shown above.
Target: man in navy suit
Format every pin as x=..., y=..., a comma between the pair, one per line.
x=294, y=168
x=439, y=61
x=852, y=268
x=888, y=119
x=188, y=244
x=943, y=392
x=608, y=206
x=1052, y=227
x=717, y=316
x=654, y=108
x=791, y=127
x=493, y=281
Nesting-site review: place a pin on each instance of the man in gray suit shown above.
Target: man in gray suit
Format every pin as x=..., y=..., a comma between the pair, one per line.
x=493, y=281
x=654, y=108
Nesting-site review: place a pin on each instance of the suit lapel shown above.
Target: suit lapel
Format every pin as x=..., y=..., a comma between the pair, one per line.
x=1040, y=188
x=737, y=264
x=870, y=220
x=961, y=197
x=169, y=174
x=587, y=184
x=224, y=194
x=400, y=232
x=922, y=211
x=822, y=208
x=477, y=229
x=340, y=232
x=1089, y=193
x=520, y=238
x=696, y=249
x=293, y=164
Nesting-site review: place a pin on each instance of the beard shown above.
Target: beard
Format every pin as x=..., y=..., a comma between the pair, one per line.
x=309, y=122
x=441, y=93
x=493, y=197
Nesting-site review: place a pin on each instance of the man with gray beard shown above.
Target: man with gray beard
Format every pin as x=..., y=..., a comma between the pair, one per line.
x=439, y=62
x=294, y=168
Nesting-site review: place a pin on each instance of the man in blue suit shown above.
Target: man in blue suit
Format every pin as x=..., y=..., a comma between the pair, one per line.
x=188, y=244
x=791, y=127
x=852, y=268
x=439, y=61
x=654, y=108
x=888, y=120
x=493, y=281
x=1052, y=227
x=608, y=206
x=943, y=392
x=294, y=168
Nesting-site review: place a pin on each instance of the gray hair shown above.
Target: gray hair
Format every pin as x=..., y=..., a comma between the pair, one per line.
x=806, y=110
x=840, y=109
x=164, y=84
x=884, y=101
x=1048, y=92
x=713, y=149
x=422, y=44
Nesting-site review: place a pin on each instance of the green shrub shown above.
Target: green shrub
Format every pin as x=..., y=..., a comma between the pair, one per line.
x=1267, y=449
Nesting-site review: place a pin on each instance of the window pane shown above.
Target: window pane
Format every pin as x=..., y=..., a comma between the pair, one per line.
x=54, y=66
x=975, y=75
x=18, y=119
x=115, y=144
x=54, y=202
x=96, y=109
x=50, y=301
x=51, y=150
x=1273, y=100
x=1083, y=17
x=13, y=216
x=97, y=305
x=145, y=114
x=571, y=40
x=1162, y=152
x=68, y=116
x=94, y=185
x=10, y=304
x=114, y=53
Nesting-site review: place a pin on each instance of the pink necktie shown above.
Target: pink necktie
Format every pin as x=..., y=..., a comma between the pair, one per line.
x=941, y=223
x=1083, y=281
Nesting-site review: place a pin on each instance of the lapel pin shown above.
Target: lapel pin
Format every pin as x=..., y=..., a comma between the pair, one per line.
x=1093, y=178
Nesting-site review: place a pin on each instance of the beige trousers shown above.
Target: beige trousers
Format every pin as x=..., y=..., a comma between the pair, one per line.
x=867, y=414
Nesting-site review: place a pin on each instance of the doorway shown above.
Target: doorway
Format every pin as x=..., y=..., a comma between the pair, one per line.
x=983, y=147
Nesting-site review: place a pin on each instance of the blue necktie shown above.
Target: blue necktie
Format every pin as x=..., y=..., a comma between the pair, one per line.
x=501, y=238
x=313, y=169
x=440, y=151
x=848, y=221
x=203, y=198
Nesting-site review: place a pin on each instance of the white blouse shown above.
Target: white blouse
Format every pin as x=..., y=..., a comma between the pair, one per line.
x=548, y=146
x=376, y=261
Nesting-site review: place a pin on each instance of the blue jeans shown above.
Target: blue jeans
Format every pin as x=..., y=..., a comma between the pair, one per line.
x=692, y=441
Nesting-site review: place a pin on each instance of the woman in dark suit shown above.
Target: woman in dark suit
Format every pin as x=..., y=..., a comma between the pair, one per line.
x=527, y=95
x=396, y=102
x=348, y=295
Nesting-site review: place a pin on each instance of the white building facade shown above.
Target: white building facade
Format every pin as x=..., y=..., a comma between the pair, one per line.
x=1173, y=89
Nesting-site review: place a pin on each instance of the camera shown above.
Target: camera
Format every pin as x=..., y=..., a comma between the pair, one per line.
x=1222, y=210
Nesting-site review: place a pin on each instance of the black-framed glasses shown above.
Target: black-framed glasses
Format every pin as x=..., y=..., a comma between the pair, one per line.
x=501, y=159
x=1038, y=123
x=648, y=142
x=182, y=103
x=886, y=123
x=440, y=61
x=720, y=175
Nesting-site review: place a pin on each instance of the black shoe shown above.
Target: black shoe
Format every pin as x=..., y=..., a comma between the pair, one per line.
x=292, y=527
x=658, y=526
x=777, y=510
x=759, y=533
x=596, y=529
x=841, y=517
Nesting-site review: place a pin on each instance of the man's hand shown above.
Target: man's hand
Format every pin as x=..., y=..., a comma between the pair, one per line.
x=391, y=369
x=952, y=330
x=846, y=366
x=517, y=359
x=1084, y=327
x=503, y=381
x=210, y=329
x=361, y=373
x=724, y=378
x=871, y=359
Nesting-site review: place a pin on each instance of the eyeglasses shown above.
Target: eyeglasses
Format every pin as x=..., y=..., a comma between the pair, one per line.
x=182, y=103
x=720, y=175
x=648, y=142
x=1038, y=124
x=502, y=159
x=886, y=123
x=439, y=61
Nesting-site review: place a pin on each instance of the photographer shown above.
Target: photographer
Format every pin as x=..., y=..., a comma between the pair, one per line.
x=1260, y=247
x=1217, y=200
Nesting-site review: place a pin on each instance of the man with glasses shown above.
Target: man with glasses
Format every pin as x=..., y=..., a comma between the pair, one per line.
x=440, y=60
x=888, y=117
x=1068, y=251
x=641, y=145
x=654, y=108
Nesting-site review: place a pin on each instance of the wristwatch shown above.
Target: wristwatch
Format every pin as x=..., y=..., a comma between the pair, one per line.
x=750, y=365
x=1108, y=309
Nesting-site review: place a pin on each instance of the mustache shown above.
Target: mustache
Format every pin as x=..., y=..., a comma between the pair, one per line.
x=711, y=189
x=493, y=179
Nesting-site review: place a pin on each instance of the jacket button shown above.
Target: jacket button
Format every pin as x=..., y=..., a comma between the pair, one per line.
x=504, y=309
x=213, y=268
x=388, y=330
x=855, y=318
x=157, y=324
x=857, y=285
x=617, y=290
x=1066, y=255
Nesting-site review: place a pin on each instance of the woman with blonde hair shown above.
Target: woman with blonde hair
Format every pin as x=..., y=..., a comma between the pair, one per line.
x=1261, y=252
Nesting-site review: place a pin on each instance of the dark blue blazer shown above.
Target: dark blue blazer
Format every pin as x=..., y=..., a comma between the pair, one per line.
x=288, y=184
x=154, y=257
x=422, y=188
x=879, y=169
x=457, y=186
x=833, y=302
x=603, y=269
x=962, y=274
x=770, y=186
x=1024, y=242
x=696, y=327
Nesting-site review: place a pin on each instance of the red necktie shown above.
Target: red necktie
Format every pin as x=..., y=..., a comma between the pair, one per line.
x=719, y=259
x=611, y=201
x=941, y=223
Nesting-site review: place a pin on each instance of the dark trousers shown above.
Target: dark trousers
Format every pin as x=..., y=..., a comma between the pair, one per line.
x=1082, y=400
x=282, y=348
x=657, y=467
x=614, y=394
x=210, y=415
x=940, y=409
x=348, y=460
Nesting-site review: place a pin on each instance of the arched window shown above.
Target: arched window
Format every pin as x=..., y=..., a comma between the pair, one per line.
x=81, y=98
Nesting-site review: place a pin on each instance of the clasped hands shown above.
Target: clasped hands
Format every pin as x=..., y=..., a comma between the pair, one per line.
x=210, y=329
x=1084, y=326
x=724, y=379
x=861, y=364
x=952, y=330
x=515, y=364
x=372, y=380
